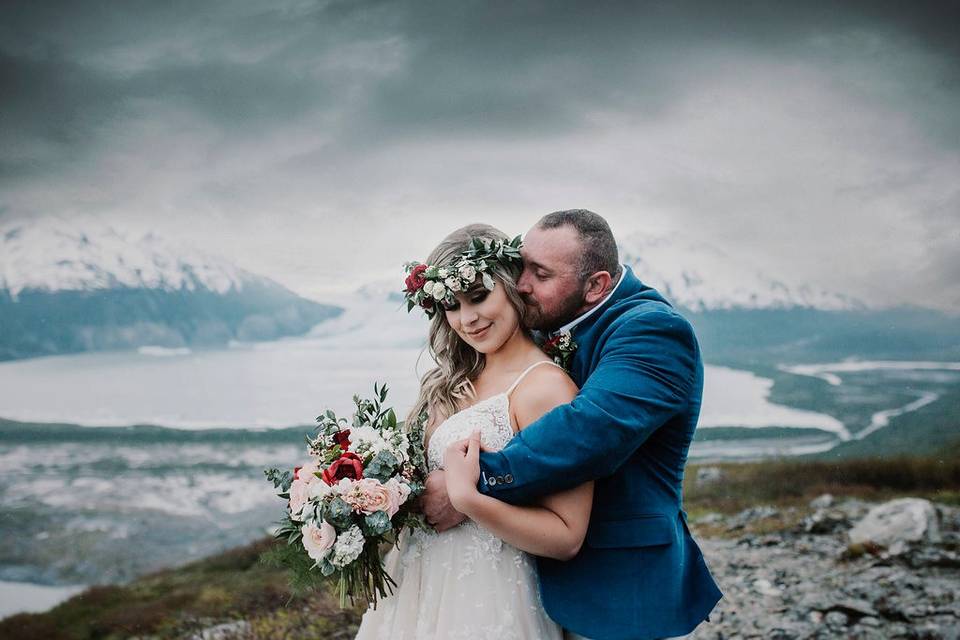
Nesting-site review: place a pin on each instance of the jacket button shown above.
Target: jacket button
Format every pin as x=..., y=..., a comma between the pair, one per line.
x=500, y=479
x=491, y=481
x=508, y=478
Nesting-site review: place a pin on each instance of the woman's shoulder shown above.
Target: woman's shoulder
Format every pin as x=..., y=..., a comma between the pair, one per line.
x=544, y=387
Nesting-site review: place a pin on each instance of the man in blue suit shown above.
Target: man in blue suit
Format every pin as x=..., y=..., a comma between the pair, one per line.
x=639, y=573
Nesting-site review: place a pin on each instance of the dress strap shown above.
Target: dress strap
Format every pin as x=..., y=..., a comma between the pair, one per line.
x=528, y=370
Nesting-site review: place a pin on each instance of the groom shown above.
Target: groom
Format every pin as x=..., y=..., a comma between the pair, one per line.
x=639, y=573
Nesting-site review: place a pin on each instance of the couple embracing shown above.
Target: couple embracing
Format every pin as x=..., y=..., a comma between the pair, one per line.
x=559, y=417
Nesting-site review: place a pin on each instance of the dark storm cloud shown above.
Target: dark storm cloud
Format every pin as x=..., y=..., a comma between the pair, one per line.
x=823, y=113
x=507, y=68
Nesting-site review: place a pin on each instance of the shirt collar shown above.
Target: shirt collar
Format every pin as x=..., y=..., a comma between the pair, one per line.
x=573, y=323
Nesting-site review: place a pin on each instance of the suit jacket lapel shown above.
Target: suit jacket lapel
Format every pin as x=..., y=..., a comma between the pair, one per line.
x=584, y=334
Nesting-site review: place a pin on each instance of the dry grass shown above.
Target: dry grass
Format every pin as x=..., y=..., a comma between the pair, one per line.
x=787, y=483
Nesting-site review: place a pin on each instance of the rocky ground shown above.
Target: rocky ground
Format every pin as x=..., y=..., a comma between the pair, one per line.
x=846, y=569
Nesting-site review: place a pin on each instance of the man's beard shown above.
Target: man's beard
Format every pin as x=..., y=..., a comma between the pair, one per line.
x=536, y=319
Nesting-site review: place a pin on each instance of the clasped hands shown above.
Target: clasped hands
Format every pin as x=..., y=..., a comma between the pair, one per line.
x=449, y=491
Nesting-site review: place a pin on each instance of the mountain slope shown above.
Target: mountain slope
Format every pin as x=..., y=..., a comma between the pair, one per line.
x=701, y=277
x=81, y=285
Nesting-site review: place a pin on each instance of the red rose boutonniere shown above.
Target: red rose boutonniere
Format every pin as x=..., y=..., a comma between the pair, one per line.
x=561, y=348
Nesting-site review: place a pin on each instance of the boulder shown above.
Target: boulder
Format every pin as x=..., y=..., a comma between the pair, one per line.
x=896, y=524
x=823, y=501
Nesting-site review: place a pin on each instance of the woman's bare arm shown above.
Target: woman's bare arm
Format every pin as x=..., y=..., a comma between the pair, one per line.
x=556, y=527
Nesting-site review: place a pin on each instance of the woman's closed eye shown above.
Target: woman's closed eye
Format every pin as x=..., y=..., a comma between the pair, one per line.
x=475, y=297
x=478, y=296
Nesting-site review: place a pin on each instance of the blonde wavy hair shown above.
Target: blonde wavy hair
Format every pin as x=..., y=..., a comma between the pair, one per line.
x=444, y=387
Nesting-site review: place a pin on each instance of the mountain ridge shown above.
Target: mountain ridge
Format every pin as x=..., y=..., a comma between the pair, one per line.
x=76, y=285
x=702, y=277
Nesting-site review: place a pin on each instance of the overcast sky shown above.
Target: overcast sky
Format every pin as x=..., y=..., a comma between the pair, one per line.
x=324, y=143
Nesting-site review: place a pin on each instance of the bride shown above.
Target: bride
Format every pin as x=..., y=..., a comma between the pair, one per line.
x=477, y=580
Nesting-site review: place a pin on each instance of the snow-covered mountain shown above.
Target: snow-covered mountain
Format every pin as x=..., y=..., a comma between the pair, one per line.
x=80, y=284
x=86, y=254
x=702, y=277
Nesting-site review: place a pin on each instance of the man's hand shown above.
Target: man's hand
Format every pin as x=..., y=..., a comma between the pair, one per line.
x=436, y=504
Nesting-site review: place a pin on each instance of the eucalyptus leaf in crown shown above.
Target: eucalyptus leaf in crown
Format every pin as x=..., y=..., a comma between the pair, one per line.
x=428, y=285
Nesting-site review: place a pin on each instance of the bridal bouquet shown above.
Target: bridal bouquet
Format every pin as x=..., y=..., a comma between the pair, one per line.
x=354, y=495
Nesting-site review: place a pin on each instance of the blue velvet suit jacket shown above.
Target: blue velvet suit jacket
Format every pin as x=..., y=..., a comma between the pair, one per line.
x=639, y=573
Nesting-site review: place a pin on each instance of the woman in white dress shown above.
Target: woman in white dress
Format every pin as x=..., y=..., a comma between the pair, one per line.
x=478, y=580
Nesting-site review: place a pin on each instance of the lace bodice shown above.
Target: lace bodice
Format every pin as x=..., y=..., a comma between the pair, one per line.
x=490, y=416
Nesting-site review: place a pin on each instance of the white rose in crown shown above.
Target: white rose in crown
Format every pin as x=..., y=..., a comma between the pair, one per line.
x=439, y=291
x=468, y=273
x=453, y=284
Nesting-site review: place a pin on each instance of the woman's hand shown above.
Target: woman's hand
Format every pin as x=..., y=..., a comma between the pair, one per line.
x=461, y=461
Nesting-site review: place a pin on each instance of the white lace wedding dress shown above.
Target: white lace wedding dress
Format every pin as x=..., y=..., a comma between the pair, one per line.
x=464, y=583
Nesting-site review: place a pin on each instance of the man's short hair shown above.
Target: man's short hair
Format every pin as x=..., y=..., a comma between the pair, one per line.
x=599, y=247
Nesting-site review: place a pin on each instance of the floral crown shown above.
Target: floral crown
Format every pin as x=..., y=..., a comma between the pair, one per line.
x=426, y=285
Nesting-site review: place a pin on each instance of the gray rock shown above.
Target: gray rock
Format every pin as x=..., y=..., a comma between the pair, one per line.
x=824, y=501
x=928, y=556
x=894, y=524
x=223, y=631
x=709, y=518
x=765, y=587
x=836, y=619
x=709, y=475
x=825, y=521
x=750, y=515
x=855, y=608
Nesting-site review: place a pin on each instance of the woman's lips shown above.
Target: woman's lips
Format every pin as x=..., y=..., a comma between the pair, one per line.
x=480, y=333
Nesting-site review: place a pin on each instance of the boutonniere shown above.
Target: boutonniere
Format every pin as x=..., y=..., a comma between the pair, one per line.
x=560, y=348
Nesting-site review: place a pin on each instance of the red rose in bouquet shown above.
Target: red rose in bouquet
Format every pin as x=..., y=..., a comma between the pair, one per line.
x=349, y=465
x=342, y=438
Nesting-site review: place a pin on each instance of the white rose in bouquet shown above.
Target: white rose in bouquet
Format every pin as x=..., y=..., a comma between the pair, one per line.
x=318, y=540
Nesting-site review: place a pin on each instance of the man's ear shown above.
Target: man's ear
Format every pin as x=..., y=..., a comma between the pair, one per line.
x=597, y=287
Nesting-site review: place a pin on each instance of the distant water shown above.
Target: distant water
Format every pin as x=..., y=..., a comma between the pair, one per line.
x=23, y=597
x=286, y=383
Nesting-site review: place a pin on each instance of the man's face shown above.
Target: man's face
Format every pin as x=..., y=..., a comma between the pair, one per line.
x=550, y=283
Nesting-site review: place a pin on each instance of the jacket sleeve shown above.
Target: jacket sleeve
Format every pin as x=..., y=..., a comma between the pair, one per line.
x=644, y=377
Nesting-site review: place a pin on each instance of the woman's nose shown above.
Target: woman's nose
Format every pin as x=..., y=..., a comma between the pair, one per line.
x=468, y=315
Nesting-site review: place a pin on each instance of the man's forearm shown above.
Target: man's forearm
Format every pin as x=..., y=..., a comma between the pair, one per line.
x=639, y=385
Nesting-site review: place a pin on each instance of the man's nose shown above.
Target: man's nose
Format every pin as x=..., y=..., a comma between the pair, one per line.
x=523, y=283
